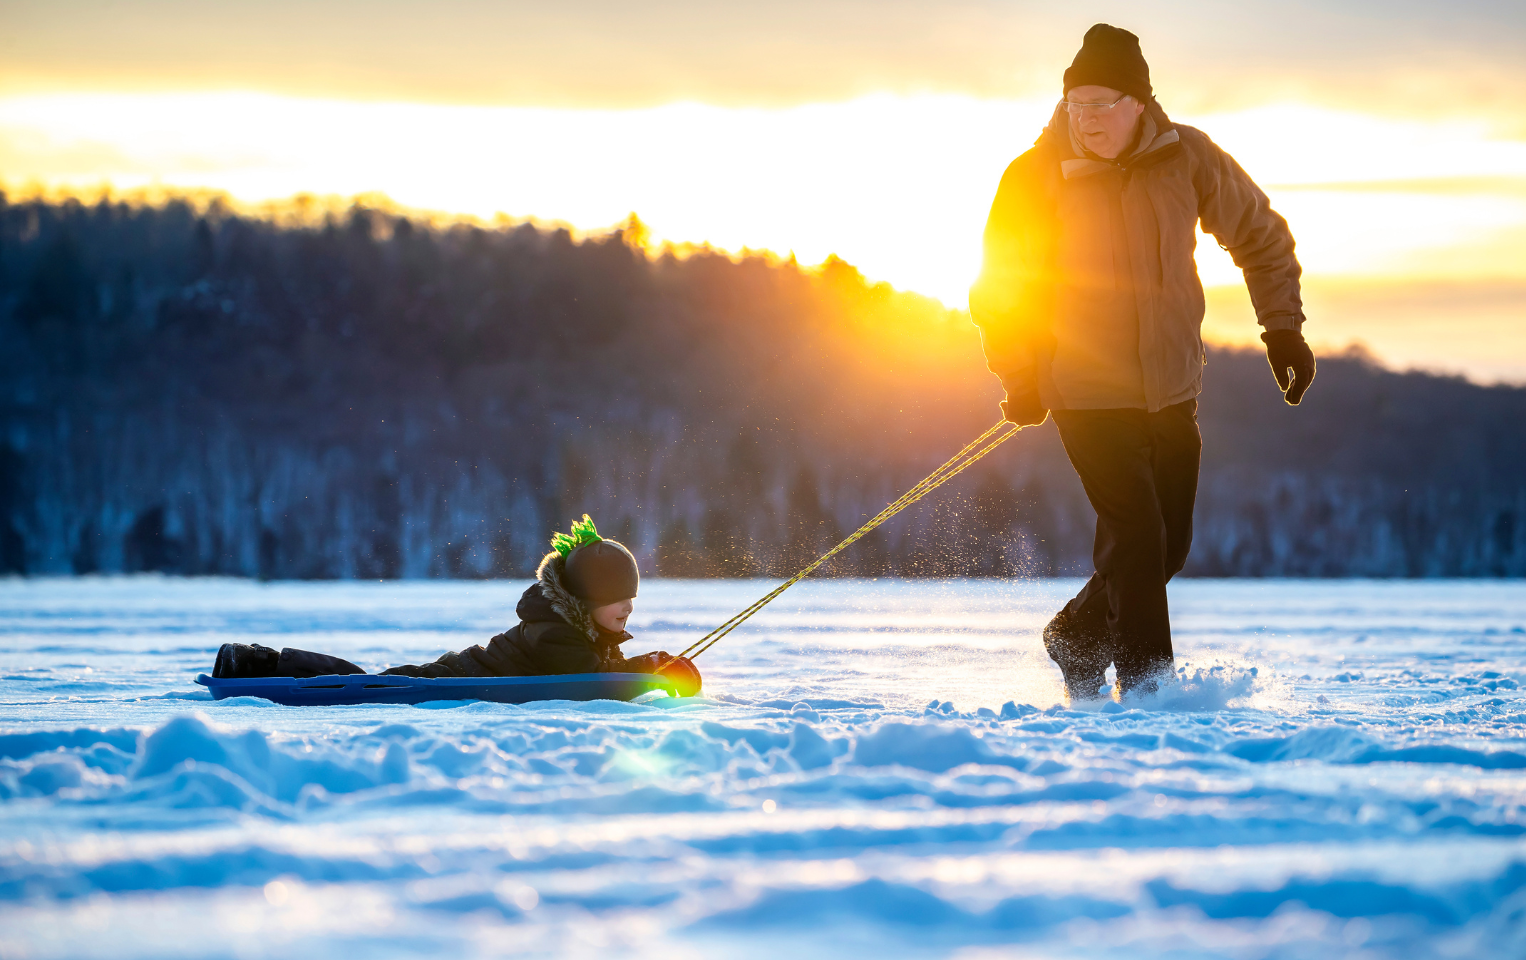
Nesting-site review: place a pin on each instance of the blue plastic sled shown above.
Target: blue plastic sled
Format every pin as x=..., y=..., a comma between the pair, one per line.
x=369, y=688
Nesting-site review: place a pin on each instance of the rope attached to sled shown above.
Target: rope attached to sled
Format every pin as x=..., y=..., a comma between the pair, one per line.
x=950, y=469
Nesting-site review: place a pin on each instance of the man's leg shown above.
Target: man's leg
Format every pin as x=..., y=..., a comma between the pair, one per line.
x=1178, y=455
x=1113, y=452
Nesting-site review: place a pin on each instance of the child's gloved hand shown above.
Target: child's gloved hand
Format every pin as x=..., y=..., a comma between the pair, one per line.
x=647, y=662
x=683, y=673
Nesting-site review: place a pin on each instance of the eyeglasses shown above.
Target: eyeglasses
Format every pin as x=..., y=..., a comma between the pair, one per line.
x=1076, y=109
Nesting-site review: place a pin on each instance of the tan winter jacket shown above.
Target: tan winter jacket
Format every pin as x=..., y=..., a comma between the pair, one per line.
x=1089, y=290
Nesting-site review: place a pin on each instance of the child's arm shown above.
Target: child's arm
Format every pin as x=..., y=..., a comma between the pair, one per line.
x=563, y=651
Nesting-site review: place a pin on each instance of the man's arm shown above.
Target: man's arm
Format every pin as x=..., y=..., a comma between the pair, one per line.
x=1239, y=215
x=1011, y=300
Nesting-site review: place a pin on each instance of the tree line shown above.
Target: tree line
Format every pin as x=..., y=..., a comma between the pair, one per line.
x=191, y=389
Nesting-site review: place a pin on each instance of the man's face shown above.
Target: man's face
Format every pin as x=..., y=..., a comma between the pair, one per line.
x=1102, y=130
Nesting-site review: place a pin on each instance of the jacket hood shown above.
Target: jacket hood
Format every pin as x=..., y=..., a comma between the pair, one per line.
x=533, y=606
x=549, y=599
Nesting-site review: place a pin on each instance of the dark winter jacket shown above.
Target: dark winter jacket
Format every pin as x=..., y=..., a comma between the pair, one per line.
x=1089, y=291
x=555, y=635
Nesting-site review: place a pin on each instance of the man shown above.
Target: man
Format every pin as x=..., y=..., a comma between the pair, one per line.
x=1090, y=307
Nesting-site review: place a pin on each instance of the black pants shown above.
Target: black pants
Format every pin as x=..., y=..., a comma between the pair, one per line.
x=1140, y=472
x=306, y=663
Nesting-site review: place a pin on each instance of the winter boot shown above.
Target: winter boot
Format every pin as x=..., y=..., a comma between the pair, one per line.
x=1143, y=676
x=1082, y=648
x=241, y=661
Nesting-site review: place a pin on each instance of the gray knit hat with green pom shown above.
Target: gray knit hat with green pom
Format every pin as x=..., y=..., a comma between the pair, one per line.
x=595, y=570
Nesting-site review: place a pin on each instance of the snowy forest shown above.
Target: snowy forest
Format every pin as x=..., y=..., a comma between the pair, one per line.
x=361, y=394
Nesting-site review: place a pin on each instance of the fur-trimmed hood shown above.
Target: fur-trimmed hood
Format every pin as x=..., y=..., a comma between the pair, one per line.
x=563, y=603
x=554, y=594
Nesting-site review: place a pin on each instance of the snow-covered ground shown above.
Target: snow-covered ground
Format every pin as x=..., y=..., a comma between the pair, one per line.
x=877, y=769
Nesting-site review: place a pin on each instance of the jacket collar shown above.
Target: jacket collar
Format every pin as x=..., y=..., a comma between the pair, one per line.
x=1157, y=135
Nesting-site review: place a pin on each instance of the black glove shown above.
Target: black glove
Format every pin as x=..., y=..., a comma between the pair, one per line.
x=647, y=662
x=1284, y=349
x=1024, y=408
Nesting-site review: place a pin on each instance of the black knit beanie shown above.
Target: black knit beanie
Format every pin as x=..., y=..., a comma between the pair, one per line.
x=1110, y=57
x=602, y=572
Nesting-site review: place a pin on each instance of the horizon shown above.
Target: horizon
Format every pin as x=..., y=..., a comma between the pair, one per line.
x=1229, y=322
x=877, y=136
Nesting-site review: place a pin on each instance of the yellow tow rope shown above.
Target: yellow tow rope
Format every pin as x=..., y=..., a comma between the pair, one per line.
x=952, y=468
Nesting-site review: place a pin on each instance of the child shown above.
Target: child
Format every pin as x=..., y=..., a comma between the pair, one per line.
x=571, y=620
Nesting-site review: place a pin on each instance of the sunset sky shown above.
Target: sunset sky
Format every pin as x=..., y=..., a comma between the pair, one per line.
x=1392, y=136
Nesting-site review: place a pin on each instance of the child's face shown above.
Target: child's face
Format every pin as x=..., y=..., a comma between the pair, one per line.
x=612, y=616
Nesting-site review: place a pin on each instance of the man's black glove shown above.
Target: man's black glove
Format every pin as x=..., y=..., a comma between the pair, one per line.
x=1024, y=408
x=1286, y=349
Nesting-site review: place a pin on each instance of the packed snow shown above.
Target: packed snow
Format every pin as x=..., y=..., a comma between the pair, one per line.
x=877, y=768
